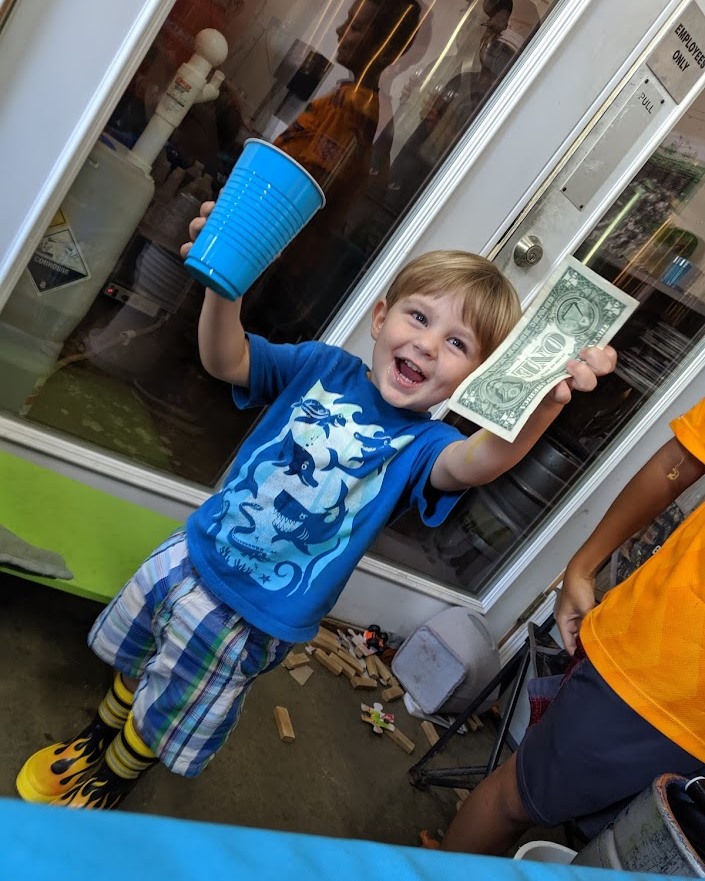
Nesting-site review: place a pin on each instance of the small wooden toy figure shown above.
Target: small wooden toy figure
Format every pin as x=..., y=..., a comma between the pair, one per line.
x=377, y=718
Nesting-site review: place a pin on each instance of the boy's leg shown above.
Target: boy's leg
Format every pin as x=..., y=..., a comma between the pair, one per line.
x=492, y=817
x=189, y=696
x=122, y=637
x=54, y=769
x=104, y=787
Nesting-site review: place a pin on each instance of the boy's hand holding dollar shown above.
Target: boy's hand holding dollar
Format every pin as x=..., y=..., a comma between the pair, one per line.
x=593, y=362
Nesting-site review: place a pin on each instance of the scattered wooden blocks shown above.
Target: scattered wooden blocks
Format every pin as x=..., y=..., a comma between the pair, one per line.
x=284, y=726
x=392, y=693
x=400, y=739
x=329, y=662
x=296, y=659
x=302, y=674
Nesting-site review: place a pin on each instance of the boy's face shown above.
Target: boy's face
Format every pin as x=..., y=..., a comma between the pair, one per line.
x=423, y=350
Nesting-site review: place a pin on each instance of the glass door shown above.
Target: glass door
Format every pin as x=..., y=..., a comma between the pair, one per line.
x=98, y=336
x=648, y=239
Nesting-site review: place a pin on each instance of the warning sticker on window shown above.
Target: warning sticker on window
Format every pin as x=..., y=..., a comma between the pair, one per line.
x=57, y=262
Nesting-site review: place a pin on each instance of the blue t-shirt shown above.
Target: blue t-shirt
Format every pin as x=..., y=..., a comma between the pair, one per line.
x=326, y=468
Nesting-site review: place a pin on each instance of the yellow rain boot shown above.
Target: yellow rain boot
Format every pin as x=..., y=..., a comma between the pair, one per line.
x=55, y=769
x=105, y=786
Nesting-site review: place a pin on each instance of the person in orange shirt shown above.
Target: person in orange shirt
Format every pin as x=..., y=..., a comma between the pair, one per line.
x=633, y=706
x=332, y=138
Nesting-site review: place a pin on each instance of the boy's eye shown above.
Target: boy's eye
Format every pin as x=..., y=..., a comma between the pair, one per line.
x=419, y=316
x=459, y=344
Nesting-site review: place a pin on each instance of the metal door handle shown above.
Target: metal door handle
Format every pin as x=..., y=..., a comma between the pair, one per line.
x=528, y=251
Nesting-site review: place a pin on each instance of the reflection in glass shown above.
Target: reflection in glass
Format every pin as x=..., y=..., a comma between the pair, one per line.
x=651, y=244
x=98, y=340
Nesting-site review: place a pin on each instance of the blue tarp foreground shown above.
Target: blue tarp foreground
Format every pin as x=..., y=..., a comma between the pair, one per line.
x=39, y=843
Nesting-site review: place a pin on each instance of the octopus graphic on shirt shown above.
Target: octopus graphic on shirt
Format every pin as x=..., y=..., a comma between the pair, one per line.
x=289, y=510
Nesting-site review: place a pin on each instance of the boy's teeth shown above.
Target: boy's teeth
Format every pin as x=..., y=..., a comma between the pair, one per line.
x=409, y=370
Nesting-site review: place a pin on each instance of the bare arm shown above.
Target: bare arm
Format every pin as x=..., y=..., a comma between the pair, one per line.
x=484, y=456
x=651, y=490
x=222, y=344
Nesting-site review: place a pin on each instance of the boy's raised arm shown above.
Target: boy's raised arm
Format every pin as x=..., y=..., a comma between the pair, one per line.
x=484, y=456
x=222, y=344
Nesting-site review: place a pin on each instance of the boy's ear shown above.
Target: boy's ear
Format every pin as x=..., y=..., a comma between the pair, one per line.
x=379, y=314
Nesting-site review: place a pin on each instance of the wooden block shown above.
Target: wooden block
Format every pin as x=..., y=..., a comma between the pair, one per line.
x=477, y=720
x=429, y=729
x=392, y=694
x=471, y=724
x=462, y=794
x=326, y=644
x=363, y=682
x=284, y=726
x=385, y=674
x=326, y=636
x=329, y=662
x=296, y=659
x=348, y=660
x=371, y=667
x=348, y=672
x=302, y=674
x=400, y=739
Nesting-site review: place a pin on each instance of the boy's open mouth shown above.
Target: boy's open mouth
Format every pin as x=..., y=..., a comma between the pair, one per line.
x=409, y=371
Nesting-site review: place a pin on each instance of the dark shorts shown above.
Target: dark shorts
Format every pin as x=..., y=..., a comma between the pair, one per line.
x=590, y=754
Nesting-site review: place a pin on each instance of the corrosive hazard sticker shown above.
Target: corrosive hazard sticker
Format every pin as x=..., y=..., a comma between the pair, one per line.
x=57, y=261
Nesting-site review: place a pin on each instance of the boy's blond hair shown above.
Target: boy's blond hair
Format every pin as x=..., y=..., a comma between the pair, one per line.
x=491, y=307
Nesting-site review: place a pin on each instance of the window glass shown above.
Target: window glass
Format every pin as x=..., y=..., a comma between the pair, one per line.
x=98, y=339
x=651, y=244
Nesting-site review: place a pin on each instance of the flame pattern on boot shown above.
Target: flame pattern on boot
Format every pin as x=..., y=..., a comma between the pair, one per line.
x=52, y=770
x=97, y=789
x=55, y=769
x=104, y=788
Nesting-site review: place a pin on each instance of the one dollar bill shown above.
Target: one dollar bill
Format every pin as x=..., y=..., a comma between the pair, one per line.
x=576, y=308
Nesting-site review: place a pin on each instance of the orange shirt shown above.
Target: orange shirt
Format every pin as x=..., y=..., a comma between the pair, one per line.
x=332, y=139
x=647, y=637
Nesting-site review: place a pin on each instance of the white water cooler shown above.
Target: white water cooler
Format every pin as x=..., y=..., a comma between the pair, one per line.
x=86, y=237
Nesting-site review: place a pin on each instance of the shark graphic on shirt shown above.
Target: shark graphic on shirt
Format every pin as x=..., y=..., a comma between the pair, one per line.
x=289, y=509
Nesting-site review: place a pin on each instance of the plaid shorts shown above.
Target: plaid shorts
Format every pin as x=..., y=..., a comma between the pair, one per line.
x=195, y=657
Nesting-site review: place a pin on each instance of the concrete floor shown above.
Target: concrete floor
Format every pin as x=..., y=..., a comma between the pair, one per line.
x=337, y=779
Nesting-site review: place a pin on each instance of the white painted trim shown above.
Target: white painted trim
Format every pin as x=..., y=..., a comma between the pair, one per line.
x=25, y=436
x=47, y=64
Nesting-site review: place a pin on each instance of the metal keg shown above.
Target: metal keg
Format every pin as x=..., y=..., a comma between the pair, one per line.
x=649, y=835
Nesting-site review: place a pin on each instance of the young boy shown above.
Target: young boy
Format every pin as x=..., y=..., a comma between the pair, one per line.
x=633, y=707
x=341, y=450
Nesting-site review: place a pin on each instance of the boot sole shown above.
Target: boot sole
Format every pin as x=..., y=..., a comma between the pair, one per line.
x=26, y=790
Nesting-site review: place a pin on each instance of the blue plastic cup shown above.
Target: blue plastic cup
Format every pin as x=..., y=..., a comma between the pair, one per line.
x=265, y=203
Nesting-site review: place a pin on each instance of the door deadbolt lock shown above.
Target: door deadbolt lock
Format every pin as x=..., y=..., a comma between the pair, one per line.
x=528, y=251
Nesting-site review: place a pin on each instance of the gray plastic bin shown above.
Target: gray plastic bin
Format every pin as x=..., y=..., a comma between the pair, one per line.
x=447, y=661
